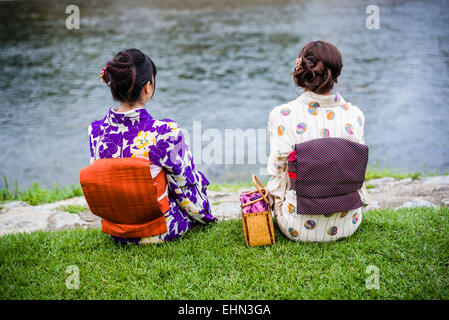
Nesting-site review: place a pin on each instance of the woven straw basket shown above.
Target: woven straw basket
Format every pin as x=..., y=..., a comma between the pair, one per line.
x=258, y=227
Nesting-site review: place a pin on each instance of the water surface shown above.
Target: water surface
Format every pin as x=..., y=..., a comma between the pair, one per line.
x=226, y=64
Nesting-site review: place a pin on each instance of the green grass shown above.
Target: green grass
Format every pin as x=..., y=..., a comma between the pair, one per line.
x=73, y=208
x=375, y=173
x=371, y=173
x=409, y=246
x=231, y=186
x=35, y=194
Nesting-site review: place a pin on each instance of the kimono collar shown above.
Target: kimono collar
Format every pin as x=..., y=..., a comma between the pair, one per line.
x=332, y=100
x=127, y=116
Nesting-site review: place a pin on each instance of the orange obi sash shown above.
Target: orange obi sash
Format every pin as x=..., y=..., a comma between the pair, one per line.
x=123, y=193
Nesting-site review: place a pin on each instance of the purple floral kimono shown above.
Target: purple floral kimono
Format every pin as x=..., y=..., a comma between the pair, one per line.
x=137, y=134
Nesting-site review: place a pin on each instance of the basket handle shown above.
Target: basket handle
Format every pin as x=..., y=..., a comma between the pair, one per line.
x=259, y=186
x=253, y=201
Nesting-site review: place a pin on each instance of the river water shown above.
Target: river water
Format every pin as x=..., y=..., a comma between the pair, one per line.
x=224, y=63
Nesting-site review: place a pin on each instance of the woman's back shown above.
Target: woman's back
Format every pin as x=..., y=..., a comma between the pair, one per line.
x=313, y=116
x=316, y=114
x=131, y=134
x=129, y=131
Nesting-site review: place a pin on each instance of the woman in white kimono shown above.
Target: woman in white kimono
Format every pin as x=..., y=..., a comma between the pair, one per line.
x=317, y=113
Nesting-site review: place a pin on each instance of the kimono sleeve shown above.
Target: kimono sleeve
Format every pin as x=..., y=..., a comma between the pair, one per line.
x=186, y=184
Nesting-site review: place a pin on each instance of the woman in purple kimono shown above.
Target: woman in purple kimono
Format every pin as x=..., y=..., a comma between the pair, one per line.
x=130, y=131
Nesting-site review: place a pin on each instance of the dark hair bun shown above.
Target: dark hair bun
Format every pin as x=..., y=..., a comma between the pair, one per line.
x=319, y=66
x=127, y=73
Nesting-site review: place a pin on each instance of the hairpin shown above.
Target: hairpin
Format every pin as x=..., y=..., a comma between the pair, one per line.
x=298, y=63
x=102, y=72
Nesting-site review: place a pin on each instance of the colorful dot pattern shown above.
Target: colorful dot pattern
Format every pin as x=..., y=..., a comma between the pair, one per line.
x=333, y=224
x=286, y=111
x=281, y=130
x=313, y=108
x=324, y=133
x=314, y=119
x=301, y=128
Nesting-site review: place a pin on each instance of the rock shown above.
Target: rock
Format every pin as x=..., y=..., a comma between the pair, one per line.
x=13, y=204
x=402, y=181
x=90, y=217
x=379, y=181
x=80, y=201
x=414, y=203
x=64, y=220
x=17, y=216
x=24, y=219
x=218, y=196
x=436, y=180
x=373, y=205
x=227, y=210
x=245, y=189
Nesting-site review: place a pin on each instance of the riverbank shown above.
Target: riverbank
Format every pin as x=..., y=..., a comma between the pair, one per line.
x=408, y=248
x=385, y=193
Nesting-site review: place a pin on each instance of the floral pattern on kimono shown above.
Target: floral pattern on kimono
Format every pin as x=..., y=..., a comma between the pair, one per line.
x=137, y=134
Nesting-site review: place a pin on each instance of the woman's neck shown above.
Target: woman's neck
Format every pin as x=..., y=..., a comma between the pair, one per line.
x=124, y=107
x=324, y=94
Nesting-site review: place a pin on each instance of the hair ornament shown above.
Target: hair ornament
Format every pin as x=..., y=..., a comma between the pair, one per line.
x=298, y=63
x=102, y=73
